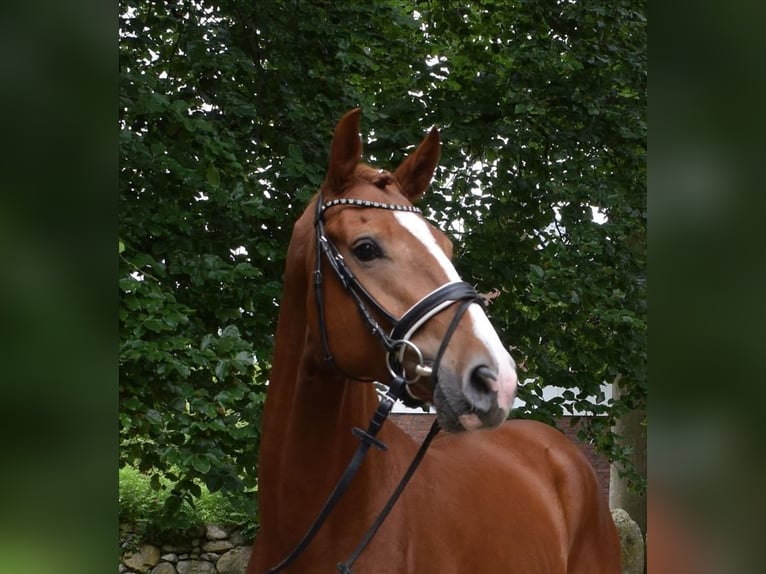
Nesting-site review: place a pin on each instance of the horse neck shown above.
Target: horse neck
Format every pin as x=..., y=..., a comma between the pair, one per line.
x=309, y=414
x=306, y=445
x=306, y=437
x=306, y=402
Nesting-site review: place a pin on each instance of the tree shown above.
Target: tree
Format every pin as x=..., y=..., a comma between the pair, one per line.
x=226, y=113
x=543, y=108
x=192, y=337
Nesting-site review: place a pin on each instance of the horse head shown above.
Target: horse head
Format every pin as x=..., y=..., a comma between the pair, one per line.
x=393, y=268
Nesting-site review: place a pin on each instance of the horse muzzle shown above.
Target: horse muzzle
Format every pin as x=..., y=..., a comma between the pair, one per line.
x=480, y=396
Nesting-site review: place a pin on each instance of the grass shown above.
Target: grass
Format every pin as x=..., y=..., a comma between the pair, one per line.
x=143, y=509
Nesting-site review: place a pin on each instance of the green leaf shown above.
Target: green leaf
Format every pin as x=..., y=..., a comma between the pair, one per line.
x=575, y=298
x=200, y=464
x=154, y=416
x=213, y=176
x=221, y=369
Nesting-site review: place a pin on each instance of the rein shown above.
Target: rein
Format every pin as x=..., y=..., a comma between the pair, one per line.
x=396, y=342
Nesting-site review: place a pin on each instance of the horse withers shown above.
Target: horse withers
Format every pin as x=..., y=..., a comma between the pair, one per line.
x=370, y=294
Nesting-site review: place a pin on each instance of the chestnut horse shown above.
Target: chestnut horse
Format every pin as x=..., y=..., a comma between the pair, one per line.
x=502, y=497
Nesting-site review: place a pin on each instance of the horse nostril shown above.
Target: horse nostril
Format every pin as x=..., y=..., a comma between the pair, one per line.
x=479, y=388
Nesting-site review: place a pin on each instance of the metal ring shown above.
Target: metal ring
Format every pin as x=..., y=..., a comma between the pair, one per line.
x=399, y=347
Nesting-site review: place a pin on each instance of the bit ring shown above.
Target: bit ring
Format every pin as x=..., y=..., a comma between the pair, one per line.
x=397, y=352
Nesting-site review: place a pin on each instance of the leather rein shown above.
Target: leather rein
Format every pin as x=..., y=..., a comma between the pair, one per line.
x=396, y=342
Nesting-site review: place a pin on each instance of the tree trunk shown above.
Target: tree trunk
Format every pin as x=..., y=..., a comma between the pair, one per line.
x=634, y=434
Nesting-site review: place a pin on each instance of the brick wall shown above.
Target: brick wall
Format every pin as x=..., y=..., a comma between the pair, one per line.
x=417, y=425
x=598, y=461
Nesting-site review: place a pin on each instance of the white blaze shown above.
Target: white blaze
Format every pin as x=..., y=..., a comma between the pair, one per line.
x=482, y=328
x=418, y=227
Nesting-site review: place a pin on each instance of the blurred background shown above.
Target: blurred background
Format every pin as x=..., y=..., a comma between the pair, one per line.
x=59, y=227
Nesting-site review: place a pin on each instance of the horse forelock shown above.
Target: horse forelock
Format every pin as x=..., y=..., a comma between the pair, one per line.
x=377, y=177
x=365, y=174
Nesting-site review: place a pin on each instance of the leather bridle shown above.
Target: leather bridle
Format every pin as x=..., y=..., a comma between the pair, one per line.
x=396, y=342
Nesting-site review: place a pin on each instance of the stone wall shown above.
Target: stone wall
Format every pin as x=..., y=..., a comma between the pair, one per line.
x=218, y=551
x=215, y=551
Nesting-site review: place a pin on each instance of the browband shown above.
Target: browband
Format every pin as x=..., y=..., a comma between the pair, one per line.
x=365, y=203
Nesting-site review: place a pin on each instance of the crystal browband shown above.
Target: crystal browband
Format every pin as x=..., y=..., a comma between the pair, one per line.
x=365, y=203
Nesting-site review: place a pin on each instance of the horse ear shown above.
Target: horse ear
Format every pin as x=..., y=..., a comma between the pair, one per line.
x=415, y=172
x=345, y=153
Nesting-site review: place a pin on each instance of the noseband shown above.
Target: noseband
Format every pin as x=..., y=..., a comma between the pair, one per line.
x=396, y=343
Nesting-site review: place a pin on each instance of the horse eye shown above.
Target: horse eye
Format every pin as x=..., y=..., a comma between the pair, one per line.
x=367, y=250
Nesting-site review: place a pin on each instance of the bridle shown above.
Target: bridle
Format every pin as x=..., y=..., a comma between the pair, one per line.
x=396, y=342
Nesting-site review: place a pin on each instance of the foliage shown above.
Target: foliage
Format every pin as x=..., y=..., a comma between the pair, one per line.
x=543, y=109
x=226, y=113
x=556, y=95
x=141, y=507
x=194, y=331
